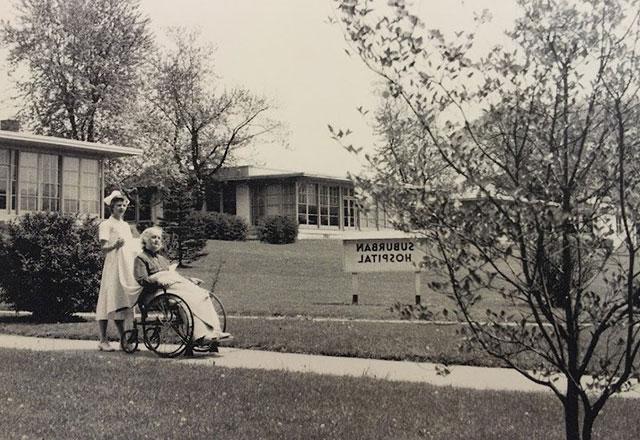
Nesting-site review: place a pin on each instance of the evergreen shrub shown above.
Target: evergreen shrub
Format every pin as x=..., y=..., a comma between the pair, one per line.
x=221, y=226
x=277, y=229
x=51, y=265
x=183, y=227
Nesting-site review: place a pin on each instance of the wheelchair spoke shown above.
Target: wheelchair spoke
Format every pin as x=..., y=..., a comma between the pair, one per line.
x=169, y=325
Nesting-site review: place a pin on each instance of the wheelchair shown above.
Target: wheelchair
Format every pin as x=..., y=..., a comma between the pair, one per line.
x=166, y=326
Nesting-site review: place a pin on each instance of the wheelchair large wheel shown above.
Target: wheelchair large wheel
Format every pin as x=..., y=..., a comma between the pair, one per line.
x=222, y=314
x=168, y=327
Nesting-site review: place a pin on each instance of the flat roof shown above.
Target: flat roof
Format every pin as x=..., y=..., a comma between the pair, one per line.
x=18, y=139
x=269, y=174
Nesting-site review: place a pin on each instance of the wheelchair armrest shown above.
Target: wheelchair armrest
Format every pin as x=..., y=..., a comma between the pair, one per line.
x=146, y=296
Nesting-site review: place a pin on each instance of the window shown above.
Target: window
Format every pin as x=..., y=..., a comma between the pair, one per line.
x=49, y=186
x=257, y=204
x=39, y=182
x=307, y=204
x=334, y=206
x=5, y=178
x=324, y=205
x=274, y=200
x=89, y=186
x=349, y=208
x=329, y=205
x=71, y=184
x=289, y=200
x=28, y=181
x=81, y=185
x=213, y=195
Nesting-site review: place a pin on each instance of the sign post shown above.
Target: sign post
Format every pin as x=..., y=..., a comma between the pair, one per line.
x=354, y=288
x=368, y=255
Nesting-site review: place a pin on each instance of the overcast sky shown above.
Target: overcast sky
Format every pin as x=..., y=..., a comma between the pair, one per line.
x=287, y=50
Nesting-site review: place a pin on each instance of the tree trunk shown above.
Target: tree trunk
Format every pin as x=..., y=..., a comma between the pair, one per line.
x=572, y=413
x=587, y=426
x=201, y=196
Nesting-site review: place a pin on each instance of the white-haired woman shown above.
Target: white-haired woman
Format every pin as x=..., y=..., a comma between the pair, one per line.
x=118, y=289
x=153, y=271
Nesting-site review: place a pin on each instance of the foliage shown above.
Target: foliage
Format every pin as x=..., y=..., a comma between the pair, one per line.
x=200, y=128
x=413, y=311
x=83, y=60
x=539, y=137
x=184, y=231
x=277, y=229
x=52, y=265
x=222, y=226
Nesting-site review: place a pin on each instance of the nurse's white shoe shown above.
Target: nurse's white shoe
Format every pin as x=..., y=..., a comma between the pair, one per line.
x=105, y=346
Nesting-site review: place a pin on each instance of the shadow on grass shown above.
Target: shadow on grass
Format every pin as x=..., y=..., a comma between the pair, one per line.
x=29, y=319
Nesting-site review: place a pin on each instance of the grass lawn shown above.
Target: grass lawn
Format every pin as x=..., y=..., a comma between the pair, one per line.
x=60, y=396
x=300, y=280
x=306, y=278
x=375, y=340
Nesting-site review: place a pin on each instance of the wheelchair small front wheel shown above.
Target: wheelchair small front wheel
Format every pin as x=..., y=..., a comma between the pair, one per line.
x=129, y=341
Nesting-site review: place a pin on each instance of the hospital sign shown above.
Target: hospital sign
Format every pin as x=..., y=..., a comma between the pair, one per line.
x=382, y=255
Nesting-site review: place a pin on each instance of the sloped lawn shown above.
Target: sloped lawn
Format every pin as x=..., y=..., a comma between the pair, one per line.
x=306, y=278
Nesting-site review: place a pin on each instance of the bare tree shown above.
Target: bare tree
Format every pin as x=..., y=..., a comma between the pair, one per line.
x=202, y=128
x=543, y=134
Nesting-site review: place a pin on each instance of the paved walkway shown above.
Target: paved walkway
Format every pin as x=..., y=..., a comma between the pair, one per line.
x=479, y=378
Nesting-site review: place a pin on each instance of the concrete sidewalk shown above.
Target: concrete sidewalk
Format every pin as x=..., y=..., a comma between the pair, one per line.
x=478, y=378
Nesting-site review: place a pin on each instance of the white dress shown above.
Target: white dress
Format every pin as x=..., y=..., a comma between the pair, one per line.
x=118, y=288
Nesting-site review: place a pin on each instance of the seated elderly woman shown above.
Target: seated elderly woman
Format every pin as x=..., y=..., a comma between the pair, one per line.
x=153, y=271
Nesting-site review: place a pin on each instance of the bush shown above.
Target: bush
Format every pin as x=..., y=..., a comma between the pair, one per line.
x=51, y=265
x=144, y=224
x=185, y=238
x=221, y=226
x=277, y=229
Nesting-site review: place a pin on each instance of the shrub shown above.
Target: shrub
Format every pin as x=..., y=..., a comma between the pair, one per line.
x=183, y=227
x=277, y=229
x=144, y=224
x=221, y=226
x=51, y=265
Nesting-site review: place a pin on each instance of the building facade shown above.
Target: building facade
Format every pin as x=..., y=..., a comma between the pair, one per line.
x=317, y=202
x=45, y=173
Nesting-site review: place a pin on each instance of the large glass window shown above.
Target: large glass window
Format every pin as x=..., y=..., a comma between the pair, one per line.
x=39, y=182
x=334, y=206
x=273, y=199
x=81, y=185
x=49, y=185
x=289, y=200
x=89, y=186
x=329, y=205
x=213, y=195
x=28, y=181
x=5, y=181
x=257, y=204
x=349, y=208
x=71, y=184
x=307, y=204
x=324, y=205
